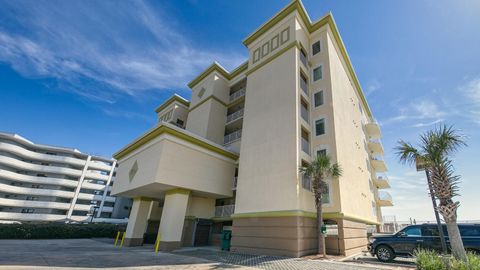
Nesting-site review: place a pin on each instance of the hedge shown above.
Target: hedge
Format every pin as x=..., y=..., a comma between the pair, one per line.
x=430, y=260
x=58, y=230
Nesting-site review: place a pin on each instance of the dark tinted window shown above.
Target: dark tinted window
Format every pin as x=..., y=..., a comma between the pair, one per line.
x=413, y=231
x=429, y=231
x=470, y=231
x=316, y=47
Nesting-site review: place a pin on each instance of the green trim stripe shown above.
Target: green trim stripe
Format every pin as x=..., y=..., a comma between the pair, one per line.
x=161, y=129
x=216, y=67
x=170, y=100
x=300, y=213
x=205, y=100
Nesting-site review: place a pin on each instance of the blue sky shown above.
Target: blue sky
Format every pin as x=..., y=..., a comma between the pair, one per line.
x=89, y=74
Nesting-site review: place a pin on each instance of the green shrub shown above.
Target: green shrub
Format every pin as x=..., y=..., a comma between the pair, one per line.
x=58, y=230
x=430, y=260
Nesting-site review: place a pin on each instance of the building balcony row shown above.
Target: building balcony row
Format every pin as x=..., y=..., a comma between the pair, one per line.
x=234, y=116
x=48, y=205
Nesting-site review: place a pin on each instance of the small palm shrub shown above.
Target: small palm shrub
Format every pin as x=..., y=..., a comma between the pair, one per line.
x=430, y=260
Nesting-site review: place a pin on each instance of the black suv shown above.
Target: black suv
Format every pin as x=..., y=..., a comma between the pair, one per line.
x=404, y=242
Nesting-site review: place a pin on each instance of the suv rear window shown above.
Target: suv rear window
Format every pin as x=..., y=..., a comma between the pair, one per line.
x=470, y=231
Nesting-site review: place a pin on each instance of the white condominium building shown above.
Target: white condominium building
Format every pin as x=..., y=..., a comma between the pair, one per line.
x=229, y=158
x=47, y=183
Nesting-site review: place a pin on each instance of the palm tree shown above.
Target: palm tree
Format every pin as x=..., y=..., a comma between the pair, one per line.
x=320, y=169
x=434, y=150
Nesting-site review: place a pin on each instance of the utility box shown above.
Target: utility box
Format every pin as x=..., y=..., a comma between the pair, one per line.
x=226, y=239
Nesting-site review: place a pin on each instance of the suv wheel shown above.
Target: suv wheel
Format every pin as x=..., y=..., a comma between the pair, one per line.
x=384, y=253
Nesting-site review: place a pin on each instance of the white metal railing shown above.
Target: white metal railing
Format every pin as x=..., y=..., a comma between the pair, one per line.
x=224, y=211
x=234, y=116
x=235, y=179
x=238, y=94
x=305, y=146
x=303, y=58
x=304, y=113
x=232, y=136
x=384, y=196
x=303, y=85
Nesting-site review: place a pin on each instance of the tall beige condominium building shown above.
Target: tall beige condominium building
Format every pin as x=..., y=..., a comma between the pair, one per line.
x=230, y=158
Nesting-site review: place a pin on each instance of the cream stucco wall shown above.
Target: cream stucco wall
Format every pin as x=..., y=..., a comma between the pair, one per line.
x=356, y=196
x=268, y=156
x=167, y=162
x=201, y=207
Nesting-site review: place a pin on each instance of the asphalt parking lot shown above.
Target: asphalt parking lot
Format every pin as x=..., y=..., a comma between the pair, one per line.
x=100, y=253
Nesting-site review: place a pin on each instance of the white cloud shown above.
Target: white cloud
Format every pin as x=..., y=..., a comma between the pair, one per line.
x=372, y=86
x=103, y=50
x=419, y=110
x=471, y=90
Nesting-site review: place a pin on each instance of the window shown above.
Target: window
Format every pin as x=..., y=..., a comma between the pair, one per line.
x=317, y=73
x=27, y=210
x=429, y=231
x=322, y=152
x=31, y=198
x=316, y=47
x=201, y=92
x=306, y=182
x=320, y=127
x=413, y=231
x=326, y=194
x=179, y=122
x=374, y=209
x=466, y=231
x=318, y=98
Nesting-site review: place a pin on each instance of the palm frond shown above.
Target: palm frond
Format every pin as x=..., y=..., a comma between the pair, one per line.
x=406, y=152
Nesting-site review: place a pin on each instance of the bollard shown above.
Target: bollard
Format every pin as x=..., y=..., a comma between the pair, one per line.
x=123, y=237
x=157, y=242
x=116, y=239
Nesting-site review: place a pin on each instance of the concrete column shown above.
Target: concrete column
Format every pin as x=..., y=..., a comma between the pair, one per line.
x=137, y=222
x=173, y=218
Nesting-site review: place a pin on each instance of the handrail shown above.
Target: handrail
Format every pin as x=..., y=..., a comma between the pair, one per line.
x=238, y=94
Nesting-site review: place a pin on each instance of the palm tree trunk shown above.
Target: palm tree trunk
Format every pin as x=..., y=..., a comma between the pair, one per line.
x=321, y=242
x=458, y=251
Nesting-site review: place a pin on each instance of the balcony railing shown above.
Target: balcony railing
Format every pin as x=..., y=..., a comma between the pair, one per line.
x=224, y=211
x=238, y=94
x=305, y=146
x=384, y=199
x=234, y=116
x=303, y=58
x=304, y=113
x=382, y=182
x=378, y=164
x=373, y=130
x=304, y=86
x=235, y=179
x=232, y=136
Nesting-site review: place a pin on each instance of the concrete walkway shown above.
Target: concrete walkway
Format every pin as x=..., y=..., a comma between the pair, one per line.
x=100, y=253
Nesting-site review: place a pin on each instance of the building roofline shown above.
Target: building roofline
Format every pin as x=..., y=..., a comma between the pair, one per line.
x=217, y=67
x=173, y=130
x=173, y=98
x=47, y=147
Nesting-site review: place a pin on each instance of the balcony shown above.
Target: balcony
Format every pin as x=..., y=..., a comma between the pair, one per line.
x=229, y=138
x=305, y=146
x=304, y=112
x=373, y=130
x=384, y=199
x=235, y=179
x=375, y=148
x=303, y=59
x=234, y=116
x=378, y=164
x=303, y=85
x=381, y=182
x=224, y=211
x=240, y=93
